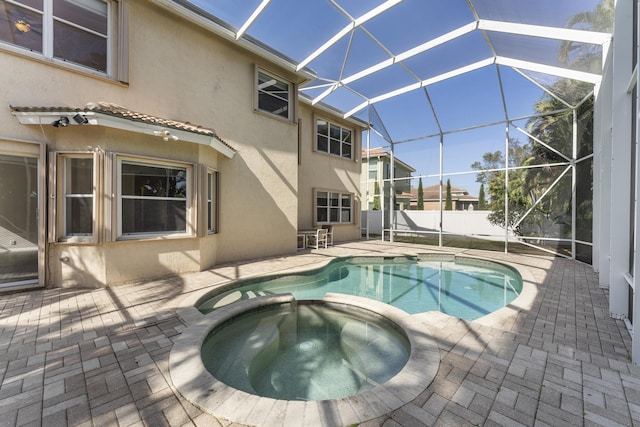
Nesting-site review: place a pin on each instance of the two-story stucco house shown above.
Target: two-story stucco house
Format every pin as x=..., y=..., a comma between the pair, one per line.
x=139, y=139
x=376, y=167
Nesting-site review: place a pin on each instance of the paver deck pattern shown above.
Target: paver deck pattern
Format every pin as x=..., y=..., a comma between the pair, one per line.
x=100, y=357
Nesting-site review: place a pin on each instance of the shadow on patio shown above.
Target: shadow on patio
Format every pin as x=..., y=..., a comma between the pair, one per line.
x=100, y=357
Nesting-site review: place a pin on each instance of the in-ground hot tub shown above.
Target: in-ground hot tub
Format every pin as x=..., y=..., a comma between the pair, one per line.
x=339, y=361
x=310, y=350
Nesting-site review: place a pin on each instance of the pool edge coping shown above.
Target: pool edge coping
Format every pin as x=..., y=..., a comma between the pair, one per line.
x=198, y=386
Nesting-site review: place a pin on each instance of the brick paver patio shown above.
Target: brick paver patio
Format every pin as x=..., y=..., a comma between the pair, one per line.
x=101, y=357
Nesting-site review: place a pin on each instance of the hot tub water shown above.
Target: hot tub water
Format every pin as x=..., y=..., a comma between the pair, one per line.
x=308, y=351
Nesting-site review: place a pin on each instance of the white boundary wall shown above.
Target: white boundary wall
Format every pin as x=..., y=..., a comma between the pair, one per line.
x=471, y=223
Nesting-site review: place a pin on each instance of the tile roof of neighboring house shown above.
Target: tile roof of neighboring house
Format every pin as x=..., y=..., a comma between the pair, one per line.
x=432, y=192
x=374, y=152
x=119, y=111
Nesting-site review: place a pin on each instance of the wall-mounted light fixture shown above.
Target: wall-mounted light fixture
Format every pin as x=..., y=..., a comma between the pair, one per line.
x=165, y=134
x=80, y=119
x=62, y=122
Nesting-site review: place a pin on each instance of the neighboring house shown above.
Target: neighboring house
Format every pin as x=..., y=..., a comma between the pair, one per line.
x=376, y=168
x=144, y=141
x=460, y=198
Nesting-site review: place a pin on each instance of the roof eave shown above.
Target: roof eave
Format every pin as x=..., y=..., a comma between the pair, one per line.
x=106, y=120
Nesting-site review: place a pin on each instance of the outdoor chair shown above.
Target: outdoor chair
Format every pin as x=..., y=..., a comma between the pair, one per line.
x=317, y=240
x=329, y=229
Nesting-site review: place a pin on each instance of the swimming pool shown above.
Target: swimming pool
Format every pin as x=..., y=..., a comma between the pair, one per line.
x=467, y=288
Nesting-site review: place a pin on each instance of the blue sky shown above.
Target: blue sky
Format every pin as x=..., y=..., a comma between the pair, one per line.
x=298, y=28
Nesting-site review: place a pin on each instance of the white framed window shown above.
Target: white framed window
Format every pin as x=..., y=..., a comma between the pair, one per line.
x=78, y=196
x=334, y=139
x=212, y=201
x=153, y=198
x=80, y=33
x=333, y=207
x=75, y=194
x=274, y=95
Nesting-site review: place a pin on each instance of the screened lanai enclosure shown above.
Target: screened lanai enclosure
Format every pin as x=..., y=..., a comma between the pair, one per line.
x=489, y=102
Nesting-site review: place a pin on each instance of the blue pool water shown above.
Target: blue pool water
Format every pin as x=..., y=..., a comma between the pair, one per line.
x=464, y=287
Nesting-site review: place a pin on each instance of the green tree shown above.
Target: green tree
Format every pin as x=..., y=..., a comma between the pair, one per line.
x=482, y=202
x=448, y=204
x=490, y=161
x=584, y=55
x=376, y=197
x=536, y=173
x=492, y=173
x=534, y=167
x=420, y=205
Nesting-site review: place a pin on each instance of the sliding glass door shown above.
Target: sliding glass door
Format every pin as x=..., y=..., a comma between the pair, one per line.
x=18, y=220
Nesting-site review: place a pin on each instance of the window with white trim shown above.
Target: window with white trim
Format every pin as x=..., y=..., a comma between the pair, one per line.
x=212, y=201
x=78, y=196
x=334, y=139
x=153, y=197
x=274, y=95
x=334, y=207
x=79, y=32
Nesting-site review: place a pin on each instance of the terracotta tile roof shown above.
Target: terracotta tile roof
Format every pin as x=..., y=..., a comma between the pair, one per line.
x=374, y=152
x=432, y=192
x=116, y=110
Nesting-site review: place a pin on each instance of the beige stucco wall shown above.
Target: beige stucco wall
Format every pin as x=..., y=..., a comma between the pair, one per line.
x=327, y=172
x=177, y=71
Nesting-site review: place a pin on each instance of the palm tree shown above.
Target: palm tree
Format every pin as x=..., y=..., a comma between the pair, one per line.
x=584, y=55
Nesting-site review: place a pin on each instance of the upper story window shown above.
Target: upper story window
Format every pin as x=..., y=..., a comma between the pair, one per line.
x=274, y=95
x=77, y=32
x=153, y=198
x=334, y=139
x=373, y=169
